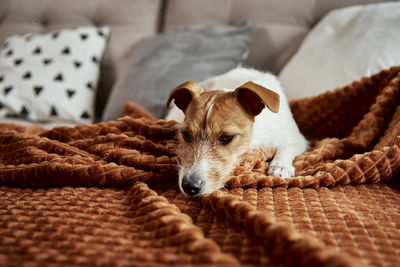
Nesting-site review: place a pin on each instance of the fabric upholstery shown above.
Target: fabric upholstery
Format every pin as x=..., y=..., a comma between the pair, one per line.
x=159, y=64
x=52, y=76
x=346, y=44
x=337, y=210
x=128, y=20
x=280, y=25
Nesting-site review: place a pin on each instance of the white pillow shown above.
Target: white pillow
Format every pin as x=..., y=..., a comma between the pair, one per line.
x=53, y=76
x=347, y=44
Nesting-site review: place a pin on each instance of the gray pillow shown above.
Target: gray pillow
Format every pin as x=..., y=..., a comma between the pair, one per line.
x=160, y=63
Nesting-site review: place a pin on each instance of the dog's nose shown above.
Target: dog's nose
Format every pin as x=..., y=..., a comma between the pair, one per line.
x=192, y=186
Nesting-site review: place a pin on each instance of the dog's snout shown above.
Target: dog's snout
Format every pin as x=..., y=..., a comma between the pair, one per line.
x=192, y=186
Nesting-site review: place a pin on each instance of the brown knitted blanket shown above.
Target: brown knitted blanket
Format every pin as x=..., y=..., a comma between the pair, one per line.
x=106, y=194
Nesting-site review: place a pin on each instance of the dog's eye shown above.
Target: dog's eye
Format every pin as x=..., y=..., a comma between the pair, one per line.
x=186, y=136
x=225, y=139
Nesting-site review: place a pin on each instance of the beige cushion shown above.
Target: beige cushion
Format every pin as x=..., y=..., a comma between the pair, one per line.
x=128, y=20
x=280, y=25
x=347, y=44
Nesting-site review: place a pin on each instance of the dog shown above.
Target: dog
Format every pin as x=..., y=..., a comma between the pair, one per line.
x=221, y=123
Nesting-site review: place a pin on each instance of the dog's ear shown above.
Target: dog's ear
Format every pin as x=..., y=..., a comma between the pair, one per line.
x=253, y=98
x=184, y=94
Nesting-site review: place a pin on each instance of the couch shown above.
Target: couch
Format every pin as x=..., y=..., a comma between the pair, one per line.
x=278, y=33
x=105, y=193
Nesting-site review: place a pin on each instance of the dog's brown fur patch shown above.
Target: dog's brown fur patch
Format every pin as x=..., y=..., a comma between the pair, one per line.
x=208, y=117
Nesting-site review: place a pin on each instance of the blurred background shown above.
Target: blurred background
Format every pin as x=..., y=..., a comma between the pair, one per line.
x=68, y=62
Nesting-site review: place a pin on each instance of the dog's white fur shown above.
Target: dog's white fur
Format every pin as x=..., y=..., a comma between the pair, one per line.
x=270, y=130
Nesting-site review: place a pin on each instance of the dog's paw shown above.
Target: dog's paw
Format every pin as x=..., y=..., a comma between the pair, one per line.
x=284, y=171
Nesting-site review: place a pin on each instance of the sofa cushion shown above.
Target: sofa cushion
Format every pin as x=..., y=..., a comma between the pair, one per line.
x=159, y=64
x=53, y=76
x=280, y=25
x=129, y=21
x=348, y=43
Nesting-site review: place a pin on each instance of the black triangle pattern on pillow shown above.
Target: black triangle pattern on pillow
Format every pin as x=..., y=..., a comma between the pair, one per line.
x=89, y=85
x=37, y=51
x=100, y=33
x=70, y=93
x=18, y=61
x=8, y=89
x=47, y=61
x=95, y=60
x=53, y=111
x=40, y=52
x=77, y=64
x=85, y=115
x=66, y=51
x=59, y=77
x=37, y=89
x=24, y=111
x=55, y=35
x=27, y=75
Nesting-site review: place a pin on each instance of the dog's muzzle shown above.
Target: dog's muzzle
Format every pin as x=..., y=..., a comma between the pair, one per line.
x=192, y=185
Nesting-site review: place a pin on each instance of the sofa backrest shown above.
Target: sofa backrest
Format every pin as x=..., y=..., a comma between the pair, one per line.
x=281, y=25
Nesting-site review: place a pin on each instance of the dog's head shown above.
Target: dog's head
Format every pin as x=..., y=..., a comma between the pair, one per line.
x=216, y=131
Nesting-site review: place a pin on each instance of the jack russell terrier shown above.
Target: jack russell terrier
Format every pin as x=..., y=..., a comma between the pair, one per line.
x=218, y=126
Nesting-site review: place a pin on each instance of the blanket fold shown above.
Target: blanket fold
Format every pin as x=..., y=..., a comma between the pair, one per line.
x=106, y=193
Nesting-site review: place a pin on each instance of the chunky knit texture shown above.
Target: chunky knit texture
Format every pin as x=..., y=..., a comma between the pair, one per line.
x=106, y=194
